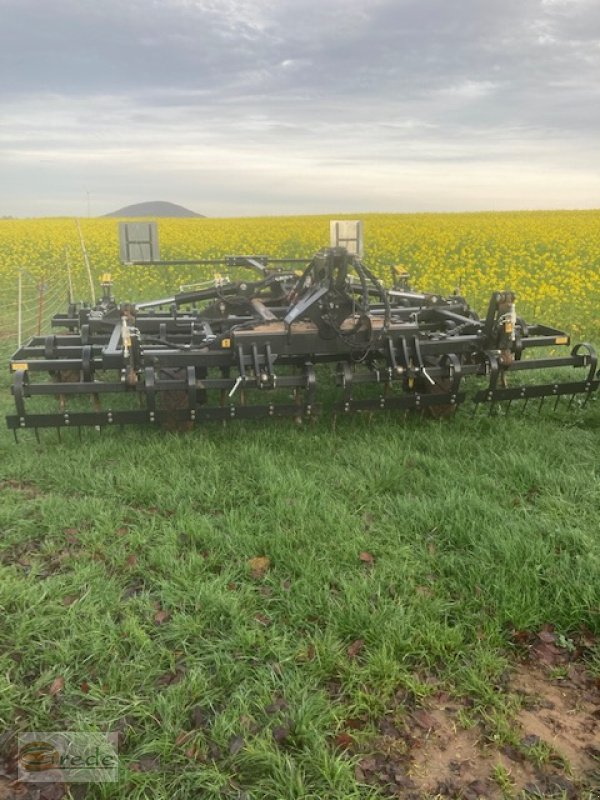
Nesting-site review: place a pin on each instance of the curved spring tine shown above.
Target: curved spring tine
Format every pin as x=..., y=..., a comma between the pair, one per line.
x=593, y=366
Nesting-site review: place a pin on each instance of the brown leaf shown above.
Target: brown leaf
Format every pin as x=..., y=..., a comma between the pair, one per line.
x=355, y=648
x=199, y=717
x=148, y=763
x=424, y=591
x=549, y=654
x=259, y=566
x=547, y=636
x=183, y=737
x=169, y=678
x=521, y=637
x=85, y=687
x=191, y=752
x=387, y=728
x=54, y=791
x=286, y=585
x=231, y=586
x=343, y=741
x=69, y=599
x=214, y=751
x=123, y=531
x=57, y=685
x=278, y=704
x=131, y=560
x=366, y=558
x=281, y=733
x=354, y=723
x=161, y=616
x=236, y=743
x=368, y=764
x=11, y=790
x=263, y=619
x=71, y=535
x=424, y=720
x=587, y=638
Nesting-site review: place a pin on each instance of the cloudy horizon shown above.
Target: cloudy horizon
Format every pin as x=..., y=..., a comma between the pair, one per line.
x=249, y=107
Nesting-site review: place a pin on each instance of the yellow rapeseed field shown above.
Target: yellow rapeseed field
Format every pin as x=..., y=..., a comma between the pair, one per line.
x=551, y=259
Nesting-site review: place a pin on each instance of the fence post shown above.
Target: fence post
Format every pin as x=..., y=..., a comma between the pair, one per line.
x=40, y=307
x=20, y=308
x=69, y=275
x=87, y=263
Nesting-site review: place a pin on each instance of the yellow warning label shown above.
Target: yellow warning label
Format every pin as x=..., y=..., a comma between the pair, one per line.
x=18, y=365
x=225, y=342
x=106, y=278
x=561, y=340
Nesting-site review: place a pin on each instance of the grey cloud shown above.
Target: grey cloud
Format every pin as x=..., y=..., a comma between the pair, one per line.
x=97, y=90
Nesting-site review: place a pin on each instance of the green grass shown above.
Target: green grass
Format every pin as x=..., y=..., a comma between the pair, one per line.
x=477, y=527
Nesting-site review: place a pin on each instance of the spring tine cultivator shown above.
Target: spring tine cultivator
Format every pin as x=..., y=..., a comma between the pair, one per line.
x=259, y=347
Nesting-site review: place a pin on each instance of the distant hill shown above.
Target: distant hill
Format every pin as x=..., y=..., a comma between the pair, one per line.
x=155, y=208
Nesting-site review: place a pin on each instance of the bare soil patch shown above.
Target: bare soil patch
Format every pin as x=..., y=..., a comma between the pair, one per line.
x=553, y=750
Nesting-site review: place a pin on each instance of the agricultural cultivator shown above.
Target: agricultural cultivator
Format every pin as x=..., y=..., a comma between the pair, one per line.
x=269, y=345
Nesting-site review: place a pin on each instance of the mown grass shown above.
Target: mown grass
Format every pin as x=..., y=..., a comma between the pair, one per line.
x=476, y=527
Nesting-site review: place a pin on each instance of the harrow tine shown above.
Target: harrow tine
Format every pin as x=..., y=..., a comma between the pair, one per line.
x=571, y=401
x=587, y=397
x=508, y=407
x=58, y=434
x=37, y=435
x=524, y=406
x=557, y=401
x=541, y=403
x=16, y=436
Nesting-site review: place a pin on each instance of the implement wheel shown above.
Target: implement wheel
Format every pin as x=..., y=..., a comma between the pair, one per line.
x=440, y=386
x=177, y=401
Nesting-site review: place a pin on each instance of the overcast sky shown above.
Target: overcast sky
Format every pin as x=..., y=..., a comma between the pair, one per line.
x=247, y=107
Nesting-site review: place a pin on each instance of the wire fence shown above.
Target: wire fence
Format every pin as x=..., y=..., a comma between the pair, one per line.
x=27, y=308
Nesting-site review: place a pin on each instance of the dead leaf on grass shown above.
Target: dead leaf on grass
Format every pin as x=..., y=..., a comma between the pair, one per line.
x=57, y=685
x=161, y=616
x=69, y=599
x=236, y=744
x=71, y=535
x=282, y=732
x=343, y=741
x=259, y=566
x=355, y=648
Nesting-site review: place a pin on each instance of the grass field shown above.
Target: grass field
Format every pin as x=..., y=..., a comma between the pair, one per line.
x=266, y=611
